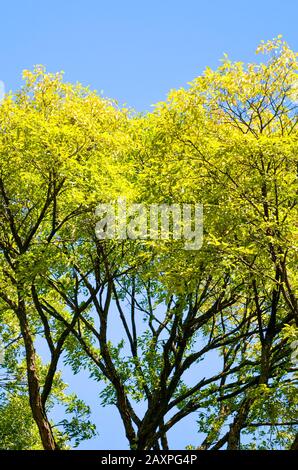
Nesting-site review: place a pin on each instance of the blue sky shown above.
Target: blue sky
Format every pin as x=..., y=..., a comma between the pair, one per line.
x=135, y=51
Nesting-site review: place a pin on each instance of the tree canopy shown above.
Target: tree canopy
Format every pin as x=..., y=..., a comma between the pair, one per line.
x=229, y=142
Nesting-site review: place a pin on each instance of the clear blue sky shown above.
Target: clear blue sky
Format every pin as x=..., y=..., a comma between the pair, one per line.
x=135, y=51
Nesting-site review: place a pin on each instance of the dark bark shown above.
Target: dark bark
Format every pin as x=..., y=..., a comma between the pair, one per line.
x=294, y=445
x=35, y=399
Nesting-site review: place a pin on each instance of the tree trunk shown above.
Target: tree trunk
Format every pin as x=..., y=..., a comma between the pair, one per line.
x=38, y=412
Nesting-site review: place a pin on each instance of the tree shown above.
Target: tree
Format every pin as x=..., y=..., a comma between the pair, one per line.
x=18, y=430
x=54, y=139
x=230, y=142
x=144, y=316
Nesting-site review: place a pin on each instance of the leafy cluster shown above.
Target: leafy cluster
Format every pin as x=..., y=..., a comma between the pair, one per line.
x=161, y=329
